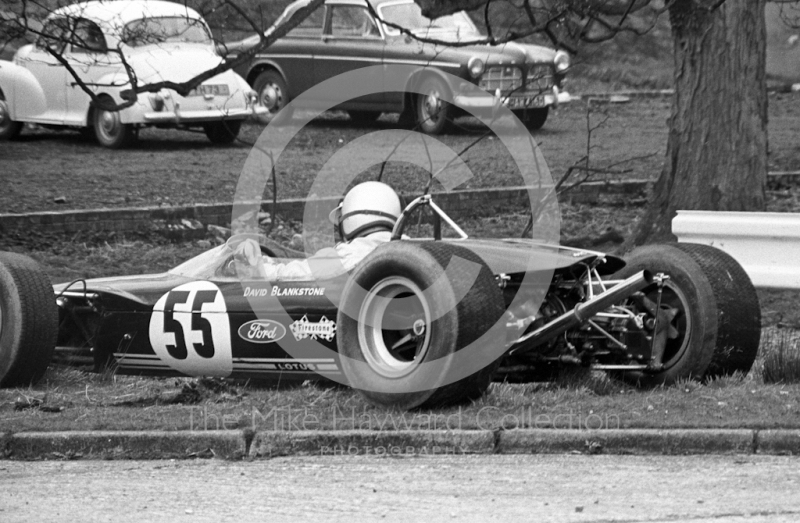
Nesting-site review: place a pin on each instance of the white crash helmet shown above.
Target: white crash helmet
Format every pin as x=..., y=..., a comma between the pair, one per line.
x=367, y=207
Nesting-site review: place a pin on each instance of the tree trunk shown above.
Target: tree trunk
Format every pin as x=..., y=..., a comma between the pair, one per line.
x=717, y=146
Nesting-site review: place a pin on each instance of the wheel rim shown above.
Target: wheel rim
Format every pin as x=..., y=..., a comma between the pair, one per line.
x=393, y=327
x=5, y=116
x=432, y=107
x=272, y=97
x=108, y=125
x=678, y=342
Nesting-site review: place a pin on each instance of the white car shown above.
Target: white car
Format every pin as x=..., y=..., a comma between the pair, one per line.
x=158, y=41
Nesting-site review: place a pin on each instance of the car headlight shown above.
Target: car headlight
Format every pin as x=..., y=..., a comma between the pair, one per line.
x=561, y=61
x=475, y=66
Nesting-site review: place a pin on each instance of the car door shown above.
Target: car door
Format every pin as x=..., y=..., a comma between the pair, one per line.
x=89, y=57
x=352, y=39
x=49, y=73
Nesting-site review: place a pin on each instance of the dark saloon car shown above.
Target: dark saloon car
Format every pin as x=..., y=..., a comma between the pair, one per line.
x=343, y=35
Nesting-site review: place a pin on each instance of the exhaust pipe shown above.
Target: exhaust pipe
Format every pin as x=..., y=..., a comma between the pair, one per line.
x=583, y=311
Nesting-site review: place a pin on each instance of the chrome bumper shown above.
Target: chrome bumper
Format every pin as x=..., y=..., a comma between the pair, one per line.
x=210, y=115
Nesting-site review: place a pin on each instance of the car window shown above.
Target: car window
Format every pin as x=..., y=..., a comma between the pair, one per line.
x=54, y=34
x=353, y=22
x=180, y=29
x=311, y=25
x=409, y=16
x=88, y=38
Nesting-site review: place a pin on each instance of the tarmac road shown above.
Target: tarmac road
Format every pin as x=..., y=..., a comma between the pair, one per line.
x=541, y=488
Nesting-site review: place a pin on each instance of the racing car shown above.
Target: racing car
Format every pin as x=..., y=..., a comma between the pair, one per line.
x=417, y=323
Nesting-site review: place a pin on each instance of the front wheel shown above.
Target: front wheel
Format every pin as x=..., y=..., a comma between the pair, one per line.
x=433, y=113
x=714, y=318
x=223, y=133
x=407, y=312
x=108, y=128
x=9, y=129
x=534, y=119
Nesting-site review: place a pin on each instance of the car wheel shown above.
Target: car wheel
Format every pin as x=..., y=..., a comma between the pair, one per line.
x=432, y=111
x=739, y=332
x=534, y=118
x=109, y=130
x=273, y=93
x=702, y=336
x=223, y=132
x=9, y=129
x=28, y=321
x=364, y=116
x=401, y=322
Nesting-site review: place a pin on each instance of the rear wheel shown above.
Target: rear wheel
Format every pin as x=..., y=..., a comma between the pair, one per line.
x=273, y=93
x=406, y=311
x=28, y=321
x=224, y=132
x=108, y=127
x=9, y=129
x=698, y=304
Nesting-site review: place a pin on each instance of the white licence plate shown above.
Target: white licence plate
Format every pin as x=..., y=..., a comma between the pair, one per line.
x=520, y=102
x=213, y=89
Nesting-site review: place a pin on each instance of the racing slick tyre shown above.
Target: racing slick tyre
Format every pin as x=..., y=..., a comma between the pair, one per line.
x=28, y=321
x=9, y=129
x=709, y=325
x=433, y=114
x=739, y=333
x=109, y=131
x=223, y=133
x=273, y=93
x=406, y=311
x=534, y=119
x=364, y=116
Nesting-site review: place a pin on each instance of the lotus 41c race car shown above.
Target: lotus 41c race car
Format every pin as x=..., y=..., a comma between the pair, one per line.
x=416, y=323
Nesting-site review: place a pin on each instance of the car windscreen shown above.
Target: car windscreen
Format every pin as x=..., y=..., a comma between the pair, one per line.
x=158, y=30
x=409, y=16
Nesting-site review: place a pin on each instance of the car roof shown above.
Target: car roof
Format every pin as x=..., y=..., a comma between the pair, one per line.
x=375, y=3
x=120, y=12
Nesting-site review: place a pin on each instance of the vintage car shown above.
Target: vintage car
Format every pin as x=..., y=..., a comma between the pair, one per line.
x=343, y=35
x=159, y=41
x=401, y=323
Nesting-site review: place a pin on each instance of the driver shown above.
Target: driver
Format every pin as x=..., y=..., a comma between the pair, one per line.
x=365, y=219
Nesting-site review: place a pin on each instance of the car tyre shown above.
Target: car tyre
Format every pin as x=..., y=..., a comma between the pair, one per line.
x=9, y=129
x=534, y=119
x=710, y=326
x=433, y=113
x=28, y=321
x=223, y=133
x=273, y=93
x=410, y=364
x=109, y=130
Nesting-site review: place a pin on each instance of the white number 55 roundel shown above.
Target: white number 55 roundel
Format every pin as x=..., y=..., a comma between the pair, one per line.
x=189, y=330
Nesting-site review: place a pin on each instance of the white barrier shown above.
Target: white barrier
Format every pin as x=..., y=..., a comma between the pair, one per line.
x=766, y=244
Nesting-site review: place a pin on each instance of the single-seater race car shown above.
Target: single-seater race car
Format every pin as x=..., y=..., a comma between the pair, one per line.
x=416, y=323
